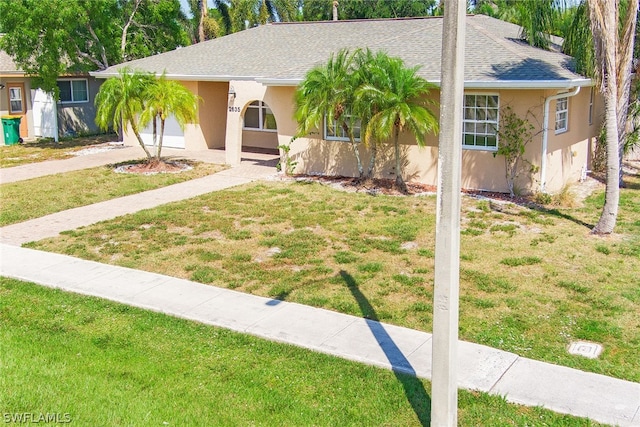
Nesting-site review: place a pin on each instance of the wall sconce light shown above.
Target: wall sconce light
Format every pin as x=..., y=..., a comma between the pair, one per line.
x=1, y=86
x=232, y=93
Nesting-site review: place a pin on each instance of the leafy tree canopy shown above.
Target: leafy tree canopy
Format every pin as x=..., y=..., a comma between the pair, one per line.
x=322, y=10
x=49, y=38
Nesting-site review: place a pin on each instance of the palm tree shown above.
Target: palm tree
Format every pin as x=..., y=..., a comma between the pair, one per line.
x=367, y=70
x=614, y=54
x=203, y=26
x=260, y=12
x=120, y=101
x=164, y=98
x=328, y=91
x=399, y=94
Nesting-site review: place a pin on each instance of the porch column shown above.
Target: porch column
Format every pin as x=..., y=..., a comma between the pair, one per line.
x=233, y=137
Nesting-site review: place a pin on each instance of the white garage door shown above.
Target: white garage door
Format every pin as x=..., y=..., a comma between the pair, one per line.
x=173, y=135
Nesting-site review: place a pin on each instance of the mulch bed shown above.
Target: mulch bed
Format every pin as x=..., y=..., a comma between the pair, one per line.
x=387, y=186
x=150, y=168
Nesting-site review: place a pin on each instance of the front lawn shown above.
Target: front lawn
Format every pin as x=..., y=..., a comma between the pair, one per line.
x=47, y=149
x=532, y=280
x=37, y=197
x=97, y=363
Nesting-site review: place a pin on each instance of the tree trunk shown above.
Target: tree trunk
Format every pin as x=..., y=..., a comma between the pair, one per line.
x=161, y=139
x=372, y=160
x=399, y=180
x=203, y=14
x=155, y=137
x=134, y=128
x=604, y=25
x=356, y=152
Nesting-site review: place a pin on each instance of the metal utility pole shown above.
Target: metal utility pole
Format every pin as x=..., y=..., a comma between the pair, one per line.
x=444, y=390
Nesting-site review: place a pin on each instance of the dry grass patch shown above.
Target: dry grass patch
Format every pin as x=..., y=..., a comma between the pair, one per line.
x=47, y=149
x=37, y=197
x=531, y=280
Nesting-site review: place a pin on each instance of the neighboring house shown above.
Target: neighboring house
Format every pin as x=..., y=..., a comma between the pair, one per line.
x=247, y=81
x=19, y=97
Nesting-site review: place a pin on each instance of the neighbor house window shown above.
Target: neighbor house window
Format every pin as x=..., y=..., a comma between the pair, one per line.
x=480, y=124
x=15, y=100
x=259, y=117
x=562, y=114
x=591, y=106
x=73, y=90
x=335, y=132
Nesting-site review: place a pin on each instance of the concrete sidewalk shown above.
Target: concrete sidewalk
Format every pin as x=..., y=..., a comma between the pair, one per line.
x=521, y=380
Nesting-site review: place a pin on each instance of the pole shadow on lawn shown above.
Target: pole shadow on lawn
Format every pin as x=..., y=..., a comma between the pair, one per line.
x=413, y=388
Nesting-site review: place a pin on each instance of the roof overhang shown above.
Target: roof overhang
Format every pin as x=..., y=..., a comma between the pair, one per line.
x=12, y=74
x=292, y=82
x=526, y=84
x=471, y=84
x=182, y=77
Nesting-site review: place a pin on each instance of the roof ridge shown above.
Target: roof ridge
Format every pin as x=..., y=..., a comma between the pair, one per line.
x=501, y=41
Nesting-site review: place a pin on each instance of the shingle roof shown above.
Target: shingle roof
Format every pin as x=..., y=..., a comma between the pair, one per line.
x=284, y=52
x=7, y=66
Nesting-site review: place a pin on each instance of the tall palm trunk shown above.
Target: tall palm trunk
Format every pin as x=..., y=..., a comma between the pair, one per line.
x=604, y=26
x=609, y=215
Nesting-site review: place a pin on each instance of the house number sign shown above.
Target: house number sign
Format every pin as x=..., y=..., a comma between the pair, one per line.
x=234, y=109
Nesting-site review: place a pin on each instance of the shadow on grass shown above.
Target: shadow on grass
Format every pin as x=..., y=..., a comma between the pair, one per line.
x=557, y=213
x=413, y=388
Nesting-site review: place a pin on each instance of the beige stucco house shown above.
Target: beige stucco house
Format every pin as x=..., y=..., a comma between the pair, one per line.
x=40, y=116
x=247, y=82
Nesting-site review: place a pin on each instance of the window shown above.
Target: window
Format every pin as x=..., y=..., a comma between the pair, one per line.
x=480, y=124
x=15, y=100
x=562, y=114
x=73, y=90
x=336, y=132
x=591, y=106
x=259, y=117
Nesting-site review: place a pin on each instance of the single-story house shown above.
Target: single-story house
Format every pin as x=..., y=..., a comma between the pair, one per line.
x=37, y=109
x=247, y=82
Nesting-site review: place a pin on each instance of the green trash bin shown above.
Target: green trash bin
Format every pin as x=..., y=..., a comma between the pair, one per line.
x=11, y=129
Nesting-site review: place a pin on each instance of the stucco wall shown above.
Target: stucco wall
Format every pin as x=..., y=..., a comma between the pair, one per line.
x=78, y=118
x=213, y=113
x=221, y=124
x=567, y=152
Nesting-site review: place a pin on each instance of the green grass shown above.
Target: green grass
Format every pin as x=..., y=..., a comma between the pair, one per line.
x=531, y=280
x=106, y=364
x=47, y=149
x=37, y=197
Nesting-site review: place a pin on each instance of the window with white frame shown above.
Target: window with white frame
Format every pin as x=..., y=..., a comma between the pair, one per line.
x=480, y=124
x=591, y=106
x=334, y=131
x=259, y=117
x=562, y=114
x=73, y=90
x=16, y=104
